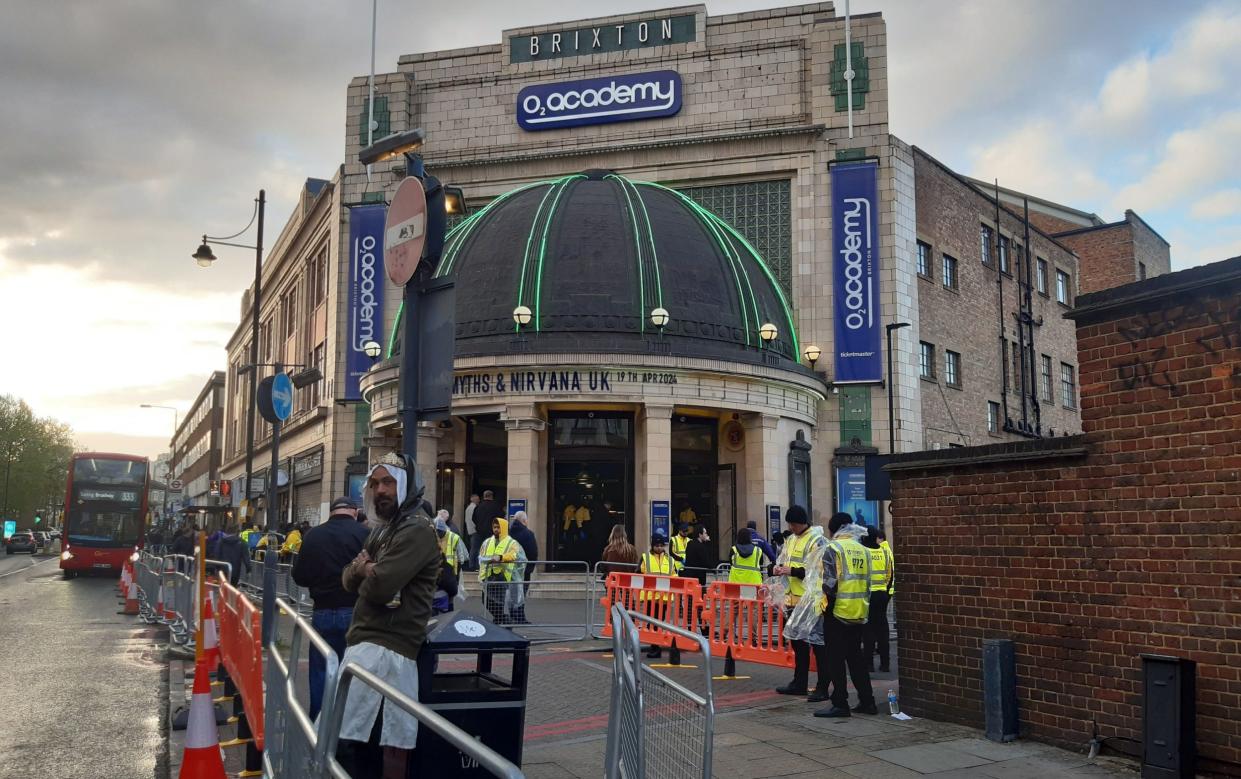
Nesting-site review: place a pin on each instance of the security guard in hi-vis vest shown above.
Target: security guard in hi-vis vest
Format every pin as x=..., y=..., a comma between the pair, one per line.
x=658, y=562
x=799, y=546
x=680, y=542
x=881, y=573
x=846, y=592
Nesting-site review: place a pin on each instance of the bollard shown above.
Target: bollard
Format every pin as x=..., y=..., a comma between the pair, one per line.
x=999, y=678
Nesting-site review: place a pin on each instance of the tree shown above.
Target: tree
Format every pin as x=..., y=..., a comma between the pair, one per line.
x=34, y=460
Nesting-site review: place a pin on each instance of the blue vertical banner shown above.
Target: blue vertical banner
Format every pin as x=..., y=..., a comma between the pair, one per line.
x=515, y=505
x=661, y=518
x=773, y=520
x=855, y=271
x=365, y=293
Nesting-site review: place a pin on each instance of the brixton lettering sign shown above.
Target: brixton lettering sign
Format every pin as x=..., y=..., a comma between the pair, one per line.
x=599, y=100
x=600, y=39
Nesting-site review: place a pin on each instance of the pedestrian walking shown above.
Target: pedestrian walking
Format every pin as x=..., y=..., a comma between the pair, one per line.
x=324, y=553
x=757, y=539
x=700, y=557
x=455, y=556
x=487, y=511
x=881, y=577
x=519, y=529
x=619, y=554
x=846, y=590
x=802, y=548
x=501, y=568
x=232, y=550
x=394, y=577
x=468, y=526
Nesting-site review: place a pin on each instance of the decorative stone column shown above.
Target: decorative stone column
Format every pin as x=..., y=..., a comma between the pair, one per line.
x=653, y=468
x=763, y=453
x=527, y=465
x=429, y=435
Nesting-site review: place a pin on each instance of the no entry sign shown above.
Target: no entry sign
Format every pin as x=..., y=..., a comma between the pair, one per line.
x=405, y=231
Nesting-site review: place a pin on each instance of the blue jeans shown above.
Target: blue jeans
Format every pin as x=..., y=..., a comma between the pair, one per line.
x=332, y=624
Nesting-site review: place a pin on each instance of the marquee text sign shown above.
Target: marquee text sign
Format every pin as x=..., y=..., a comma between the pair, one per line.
x=543, y=381
x=603, y=38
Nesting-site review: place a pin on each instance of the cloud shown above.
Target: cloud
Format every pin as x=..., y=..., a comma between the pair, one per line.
x=1218, y=205
x=1035, y=158
x=1193, y=160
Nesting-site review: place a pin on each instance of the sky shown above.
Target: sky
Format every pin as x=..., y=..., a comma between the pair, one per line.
x=132, y=127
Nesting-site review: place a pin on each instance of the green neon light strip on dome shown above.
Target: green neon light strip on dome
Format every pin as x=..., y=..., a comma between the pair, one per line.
x=525, y=258
x=650, y=236
x=775, y=285
x=396, y=328
x=547, y=224
x=460, y=233
x=633, y=219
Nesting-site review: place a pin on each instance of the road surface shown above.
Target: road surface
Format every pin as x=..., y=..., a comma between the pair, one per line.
x=82, y=687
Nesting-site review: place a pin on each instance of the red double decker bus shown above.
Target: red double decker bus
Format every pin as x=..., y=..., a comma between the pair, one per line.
x=105, y=512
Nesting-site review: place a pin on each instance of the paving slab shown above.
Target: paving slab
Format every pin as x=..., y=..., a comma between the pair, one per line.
x=1046, y=766
x=992, y=750
x=930, y=758
x=880, y=770
x=838, y=757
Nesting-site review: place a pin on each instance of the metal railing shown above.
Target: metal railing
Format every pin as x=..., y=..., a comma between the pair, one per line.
x=554, y=605
x=291, y=748
x=656, y=725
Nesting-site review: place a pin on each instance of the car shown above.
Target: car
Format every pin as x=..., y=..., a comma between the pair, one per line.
x=55, y=534
x=43, y=539
x=21, y=542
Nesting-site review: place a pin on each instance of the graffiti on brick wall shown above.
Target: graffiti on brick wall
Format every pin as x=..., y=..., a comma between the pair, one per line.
x=1221, y=334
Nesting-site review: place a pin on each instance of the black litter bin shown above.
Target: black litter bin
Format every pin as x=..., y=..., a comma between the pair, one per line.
x=459, y=678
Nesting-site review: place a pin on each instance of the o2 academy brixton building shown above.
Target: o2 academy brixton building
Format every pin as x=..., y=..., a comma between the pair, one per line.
x=676, y=279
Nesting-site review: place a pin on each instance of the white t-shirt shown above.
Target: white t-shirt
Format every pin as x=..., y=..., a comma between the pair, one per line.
x=469, y=519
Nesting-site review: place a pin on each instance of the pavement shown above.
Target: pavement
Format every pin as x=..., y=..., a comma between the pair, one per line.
x=82, y=686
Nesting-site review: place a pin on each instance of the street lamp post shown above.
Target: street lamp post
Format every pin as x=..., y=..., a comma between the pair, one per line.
x=891, y=327
x=205, y=257
x=172, y=453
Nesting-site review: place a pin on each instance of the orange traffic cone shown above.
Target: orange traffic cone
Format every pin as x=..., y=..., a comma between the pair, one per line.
x=123, y=584
x=202, y=758
x=159, y=602
x=211, y=637
x=131, y=599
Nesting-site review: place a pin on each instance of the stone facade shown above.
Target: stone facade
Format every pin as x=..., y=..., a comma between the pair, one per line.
x=198, y=444
x=1091, y=550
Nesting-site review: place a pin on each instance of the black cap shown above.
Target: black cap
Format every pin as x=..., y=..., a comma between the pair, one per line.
x=657, y=539
x=344, y=503
x=838, y=520
x=796, y=515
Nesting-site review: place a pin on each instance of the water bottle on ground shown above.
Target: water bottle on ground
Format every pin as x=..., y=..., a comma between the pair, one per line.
x=893, y=706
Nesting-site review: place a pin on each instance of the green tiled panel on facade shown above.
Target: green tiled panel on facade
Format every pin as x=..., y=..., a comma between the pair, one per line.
x=761, y=211
x=861, y=77
x=855, y=415
x=373, y=197
x=362, y=423
x=382, y=117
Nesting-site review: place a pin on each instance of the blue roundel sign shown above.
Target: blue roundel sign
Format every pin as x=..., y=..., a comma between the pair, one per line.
x=282, y=396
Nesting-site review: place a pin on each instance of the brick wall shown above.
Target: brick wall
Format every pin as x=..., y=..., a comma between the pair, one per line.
x=1105, y=254
x=1088, y=551
x=1149, y=248
x=1050, y=224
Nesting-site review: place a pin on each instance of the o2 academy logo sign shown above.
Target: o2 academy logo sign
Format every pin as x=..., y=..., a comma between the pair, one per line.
x=599, y=100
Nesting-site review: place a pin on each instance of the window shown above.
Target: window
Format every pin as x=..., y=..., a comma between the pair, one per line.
x=1045, y=378
x=950, y=272
x=316, y=389
x=1004, y=255
x=984, y=238
x=288, y=308
x=1141, y=271
x=924, y=259
x=1062, y=287
x=926, y=360
x=952, y=369
x=762, y=212
x=316, y=279
x=1068, y=387
x=1042, y=277
x=993, y=417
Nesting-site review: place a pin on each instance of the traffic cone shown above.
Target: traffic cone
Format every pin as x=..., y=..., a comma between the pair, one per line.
x=202, y=758
x=131, y=599
x=159, y=602
x=211, y=638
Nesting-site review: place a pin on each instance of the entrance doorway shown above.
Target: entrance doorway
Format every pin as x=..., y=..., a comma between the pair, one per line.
x=486, y=451
x=695, y=459
x=591, y=482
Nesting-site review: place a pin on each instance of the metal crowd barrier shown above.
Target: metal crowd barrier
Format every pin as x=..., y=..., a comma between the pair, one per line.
x=295, y=747
x=653, y=721
x=553, y=606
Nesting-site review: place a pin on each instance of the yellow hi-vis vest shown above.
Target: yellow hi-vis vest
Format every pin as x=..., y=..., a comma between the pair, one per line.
x=448, y=548
x=678, y=545
x=797, y=555
x=661, y=565
x=887, y=549
x=852, y=581
x=880, y=572
x=746, y=570
x=491, y=548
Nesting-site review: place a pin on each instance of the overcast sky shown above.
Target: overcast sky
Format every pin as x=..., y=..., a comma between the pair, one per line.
x=130, y=128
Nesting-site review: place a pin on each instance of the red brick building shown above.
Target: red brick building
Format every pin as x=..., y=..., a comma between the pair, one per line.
x=1089, y=550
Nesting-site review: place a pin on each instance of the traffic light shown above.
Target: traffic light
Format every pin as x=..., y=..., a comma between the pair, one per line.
x=38, y=519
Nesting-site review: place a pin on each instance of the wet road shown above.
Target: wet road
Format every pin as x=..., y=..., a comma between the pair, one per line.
x=82, y=688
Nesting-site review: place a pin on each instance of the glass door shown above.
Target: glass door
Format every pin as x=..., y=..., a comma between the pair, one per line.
x=726, y=501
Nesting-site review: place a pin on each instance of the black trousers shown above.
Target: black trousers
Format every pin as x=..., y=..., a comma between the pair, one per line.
x=877, y=629
x=801, y=662
x=844, y=652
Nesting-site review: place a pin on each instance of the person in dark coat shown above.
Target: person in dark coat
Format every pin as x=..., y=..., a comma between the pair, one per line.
x=700, y=557
x=234, y=552
x=522, y=534
x=487, y=512
x=757, y=539
x=326, y=550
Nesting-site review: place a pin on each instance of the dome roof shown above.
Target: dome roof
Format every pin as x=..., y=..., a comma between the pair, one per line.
x=592, y=255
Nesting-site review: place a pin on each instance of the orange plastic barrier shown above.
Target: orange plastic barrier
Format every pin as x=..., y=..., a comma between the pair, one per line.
x=672, y=599
x=241, y=651
x=741, y=621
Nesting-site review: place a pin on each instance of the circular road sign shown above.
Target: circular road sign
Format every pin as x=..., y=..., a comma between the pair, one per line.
x=405, y=231
x=175, y=485
x=282, y=396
